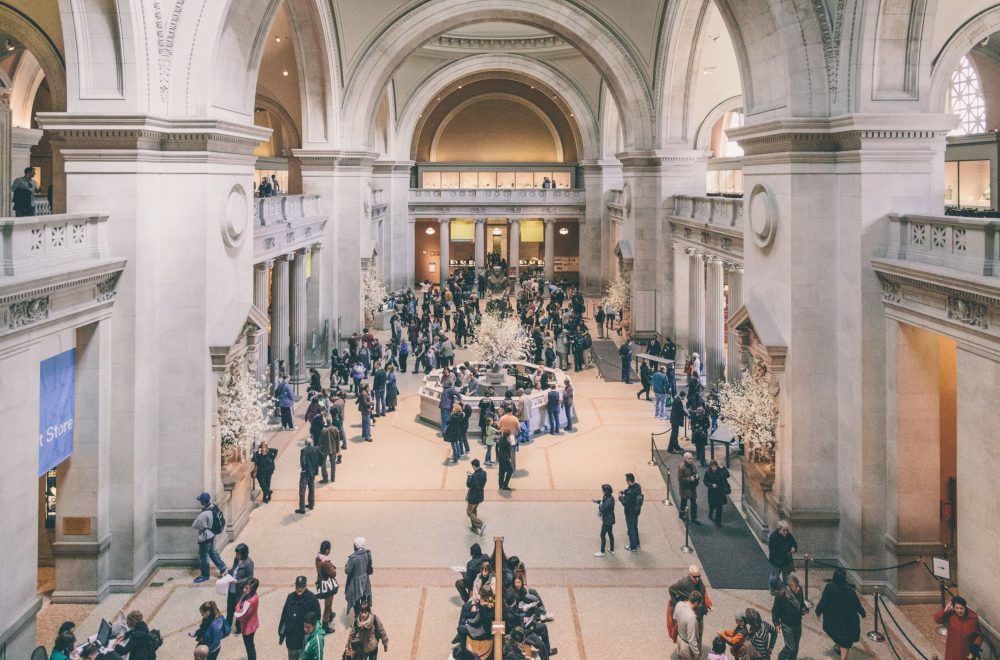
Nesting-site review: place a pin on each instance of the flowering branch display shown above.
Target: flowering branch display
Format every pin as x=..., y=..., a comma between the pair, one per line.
x=619, y=293
x=749, y=407
x=243, y=412
x=373, y=293
x=500, y=340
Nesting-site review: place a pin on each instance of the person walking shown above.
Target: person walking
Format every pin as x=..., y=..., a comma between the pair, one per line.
x=781, y=547
x=326, y=584
x=567, y=402
x=212, y=628
x=309, y=460
x=205, y=524
x=786, y=613
x=645, y=379
x=625, y=353
x=286, y=399
x=300, y=606
x=677, y=417
x=965, y=634
x=688, y=644
x=263, y=468
x=504, y=453
x=242, y=573
x=553, y=405
x=246, y=616
x=358, y=570
x=315, y=637
x=679, y=592
x=606, y=511
x=687, y=479
x=717, y=483
x=379, y=379
x=328, y=444
x=660, y=388
x=365, y=635
x=841, y=611
x=632, y=499
x=475, y=481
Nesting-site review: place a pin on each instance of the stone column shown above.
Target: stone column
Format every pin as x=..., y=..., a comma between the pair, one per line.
x=735, y=272
x=597, y=254
x=681, y=293
x=480, y=244
x=514, y=252
x=279, y=311
x=314, y=291
x=260, y=291
x=696, y=305
x=550, y=246
x=297, y=315
x=444, y=225
x=715, y=358
x=6, y=176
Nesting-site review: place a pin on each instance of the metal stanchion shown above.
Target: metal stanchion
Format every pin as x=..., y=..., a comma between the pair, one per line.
x=874, y=635
x=805, y=590
x=686, y=548
x=667, y=501
x=943, y=630
x=652, y=451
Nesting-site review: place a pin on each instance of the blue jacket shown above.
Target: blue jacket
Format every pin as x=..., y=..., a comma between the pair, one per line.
x=660, y=382
x=448, y=397
x=286, y=399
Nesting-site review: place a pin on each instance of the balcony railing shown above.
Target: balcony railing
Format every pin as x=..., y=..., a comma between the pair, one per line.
x=551, y=196
x=286, y=208
x=716, y=211
x=968, y=245
x=40, y=204
x=30, y=244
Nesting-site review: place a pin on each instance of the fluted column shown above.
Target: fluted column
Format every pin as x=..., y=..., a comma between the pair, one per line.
x=735, y=302
x=315, y=291
x=696, y=310
x=297, y=316
x=279, y=311
x=715, y=349
x=514, y=254
x=260, y=291
x=681, y=294
x=445, y=232
x=480, y=244
x=550, y=246
x=6, y=176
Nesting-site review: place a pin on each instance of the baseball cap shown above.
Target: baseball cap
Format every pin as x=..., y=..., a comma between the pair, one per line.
x=204, y=498
x=301, y=581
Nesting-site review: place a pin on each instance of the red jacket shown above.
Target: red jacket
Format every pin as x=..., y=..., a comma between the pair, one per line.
x=963, y=633
x=249, y=622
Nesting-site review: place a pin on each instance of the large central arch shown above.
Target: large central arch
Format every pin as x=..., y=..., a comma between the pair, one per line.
x=516, y=67
x=387, y=50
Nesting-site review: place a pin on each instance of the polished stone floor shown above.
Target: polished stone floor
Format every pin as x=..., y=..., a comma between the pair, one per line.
x=400, y=494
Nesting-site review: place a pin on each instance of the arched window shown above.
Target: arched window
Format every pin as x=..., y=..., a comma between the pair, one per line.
x=965, y=99
x=732, y=149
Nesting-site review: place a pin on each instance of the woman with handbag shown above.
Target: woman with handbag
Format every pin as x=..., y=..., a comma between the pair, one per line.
x=326, y=584
x=717, y=482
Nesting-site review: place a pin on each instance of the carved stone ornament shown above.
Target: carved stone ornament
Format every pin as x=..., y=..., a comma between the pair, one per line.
x=891, y=292
x=236, y=217
x=26, y=312
x=762, y=216
x=968, y=312
x=105, y=290
x=269, y=243
x=627, y=198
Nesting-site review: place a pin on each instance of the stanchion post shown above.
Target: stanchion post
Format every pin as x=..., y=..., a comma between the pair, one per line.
x=874, y=635
x=943, y=630
x=805, y=591
x=686, y=548
x=667, y=501
x=652, y=451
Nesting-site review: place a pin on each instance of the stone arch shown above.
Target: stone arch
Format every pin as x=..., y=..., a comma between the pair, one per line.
x=234, y=52
x=388, y=49
x=702, y=138
x=28, y=78
x=516, y=67
x=612, y=137
x=957, y=46
x=44, y=52
x=288, y=132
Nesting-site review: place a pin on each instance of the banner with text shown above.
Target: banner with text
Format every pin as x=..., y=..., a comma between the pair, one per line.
x=56, y=407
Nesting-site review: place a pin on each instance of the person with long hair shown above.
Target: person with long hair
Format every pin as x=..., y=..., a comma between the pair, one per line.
x=64, y=646
x=212, y=628
x=242, y=572
x=362, y=641
x=606, y=511
x=841, y=609
x=246, y=615
x=326, y=585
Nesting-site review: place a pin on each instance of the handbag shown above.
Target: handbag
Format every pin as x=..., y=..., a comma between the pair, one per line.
x=327, y=587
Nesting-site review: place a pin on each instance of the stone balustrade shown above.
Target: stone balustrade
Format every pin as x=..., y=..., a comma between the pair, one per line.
x=283, y=209
x=286, y=223
x=40, y=204
x=35, y=243
x=716, y=211
x=968, y=245
x=548, y=196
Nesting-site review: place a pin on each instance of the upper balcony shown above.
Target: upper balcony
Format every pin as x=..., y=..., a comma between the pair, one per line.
x=968, y=245
x=549, y=196
x=42, y=242
x=286, y=223
x=718, y=212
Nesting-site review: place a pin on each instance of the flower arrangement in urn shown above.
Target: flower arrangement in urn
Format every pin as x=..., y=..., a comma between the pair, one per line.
x=373, y=294
x=748, y=406
x=243, y=412
x=500, y=340
x=619, y=293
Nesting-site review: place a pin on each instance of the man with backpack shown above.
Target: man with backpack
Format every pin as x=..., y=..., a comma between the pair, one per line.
x=632, y=499
x=209, y=524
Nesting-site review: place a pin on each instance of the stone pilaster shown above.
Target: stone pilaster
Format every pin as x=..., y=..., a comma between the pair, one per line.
x=314, y=292
x=597, y=251
x=261, y=272
x=514, y=251
x=297, y=315
x=681, y=298
x=6, y=174
x=397, y=248
x=735, y=278
x=279, y=312
x=480, y=244
x=715, y=350
x=444, y=233
x=550, y=246
x=696, y=304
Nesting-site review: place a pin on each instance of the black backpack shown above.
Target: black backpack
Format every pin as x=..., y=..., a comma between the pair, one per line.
x=218, y=519
x=639, y=499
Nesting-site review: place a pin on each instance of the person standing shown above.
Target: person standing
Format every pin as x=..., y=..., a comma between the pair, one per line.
x=328, y=444
x=965, y=635
x=242, y=572
x=781, y=547
x=337, y=404
x=687, y=479
x=660, y=388
x=688, y=645
x=632, y=499
x=453, y=433
x=23, y=191
x=205, y=524
x=677, y=416
x=786, y=614
x=562, y=349
x=365, y=407
x=263, y=468
x=137, y=642
x=449, y=394
x=645, y=379
x=379, y=380
x=625, y=353
x=553, y=405
x=309, y=460
x=315, y=636
x=300, y=606
x=717, y=483
x=699, y=432
x=504, y=451
x=567, y=402
x=367, y=631
x=490, y=439
x=391, y=389
x=286, y=399
x=404, y=354
x=212, y=628
x=358, y=570
x=326, y=584
x=475, y=481
x=679, y=592
x=599, y=317
x=606, y=510
x=840, y=609
x=246, y=615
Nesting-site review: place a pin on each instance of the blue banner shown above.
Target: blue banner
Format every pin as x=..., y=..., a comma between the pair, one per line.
x=56, y=407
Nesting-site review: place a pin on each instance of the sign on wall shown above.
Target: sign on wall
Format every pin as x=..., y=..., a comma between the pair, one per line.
x=56, y=407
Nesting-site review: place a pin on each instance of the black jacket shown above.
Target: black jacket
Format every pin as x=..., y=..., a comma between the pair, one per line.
x=628, y=499
x=453, y=431
x=607, y=510
x=138, y=644
x=786, y=611
x=677, y=413
x=309, y=460
x=297, y=610
x=475, y=482
x=265, y=462
x=779, y=549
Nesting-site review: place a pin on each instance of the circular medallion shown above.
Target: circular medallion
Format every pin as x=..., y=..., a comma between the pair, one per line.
x=236, y=217
x=761, y=216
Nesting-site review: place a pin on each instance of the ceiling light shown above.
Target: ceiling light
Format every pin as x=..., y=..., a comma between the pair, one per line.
x=460, y=87
x=10, y=45
x=277, y=40
x=285, y=72
x=430, y=231
x=497, y=232
x=571, y=114
x=532, y=87
x=563, y=231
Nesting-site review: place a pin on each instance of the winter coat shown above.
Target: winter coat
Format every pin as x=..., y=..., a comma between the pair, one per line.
x=297, y=610
x=628, y=499
x=249, y=621
x=840, y=608
x=687, y=479
x=366, y=634
x=607, y=510
x=779, y=549
x=448, y=397
x=137, y=644
x=357, y=569
x=264, y=462
x=286, y=398
x=453, y=430
x=476, y=483
x=788, y=609
x=717, y=484
x=963, y=633
x=660, y=385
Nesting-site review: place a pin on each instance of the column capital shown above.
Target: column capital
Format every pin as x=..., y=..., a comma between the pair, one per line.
x=713, y=259
x=514, y=221
x=734, y=267
x=480, y=221
x=267, y=264
x=550, y=221
x=316, y=247
x=441, y=221
x=301, y=251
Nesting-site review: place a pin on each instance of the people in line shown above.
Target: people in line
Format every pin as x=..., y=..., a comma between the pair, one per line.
x=246, y=615
x=781, y=546
x=358, y=571
x=680, y=592
x=717, y=485
x=241, y=572
x=301, y=607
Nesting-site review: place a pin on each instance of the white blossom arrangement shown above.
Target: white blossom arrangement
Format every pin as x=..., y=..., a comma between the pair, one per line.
x=619, y=293
x=500, y=340
x=373, y=293
x=243, y=412
x=749, y=407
